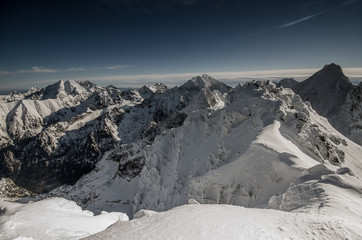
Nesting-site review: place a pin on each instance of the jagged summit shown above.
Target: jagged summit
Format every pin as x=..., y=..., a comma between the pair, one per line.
x=64, y=87
x=332, y=67
x=330, y=75
x=15, y=96
x=333, y=96
x=205, y=82
x=146, y=91
x=287, y=82
x=111, y=87
x=160, y=85
x=326, y=90
x=86, y=84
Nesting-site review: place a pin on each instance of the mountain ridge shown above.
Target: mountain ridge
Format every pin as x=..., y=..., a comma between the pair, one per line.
x=256, y=145
x=333, y=96
x=255, y=151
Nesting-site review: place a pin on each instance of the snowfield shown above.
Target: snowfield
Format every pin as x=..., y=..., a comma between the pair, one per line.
x=53, y=218
x=57, y=218
x=232, y=222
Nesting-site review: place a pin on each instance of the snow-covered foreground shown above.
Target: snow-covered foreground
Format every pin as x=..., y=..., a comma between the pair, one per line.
x=52, y=218
x=57, y=218
x=232, y=222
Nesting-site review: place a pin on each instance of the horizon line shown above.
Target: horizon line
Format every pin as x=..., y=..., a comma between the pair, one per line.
x=175, y=79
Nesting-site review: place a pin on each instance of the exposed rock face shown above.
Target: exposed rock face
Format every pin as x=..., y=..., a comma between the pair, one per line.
x=9, y=191
x=333, y=96
x=287, y=82
x=326, y=90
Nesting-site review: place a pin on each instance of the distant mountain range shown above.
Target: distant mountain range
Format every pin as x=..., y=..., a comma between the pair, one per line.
x=258, y=144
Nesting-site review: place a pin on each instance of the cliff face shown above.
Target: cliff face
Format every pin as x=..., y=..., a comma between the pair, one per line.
x=333, y=96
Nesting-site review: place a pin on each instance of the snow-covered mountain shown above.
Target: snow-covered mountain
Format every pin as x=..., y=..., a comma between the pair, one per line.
x=54, y=135
x=255, y=145
x=333, y=96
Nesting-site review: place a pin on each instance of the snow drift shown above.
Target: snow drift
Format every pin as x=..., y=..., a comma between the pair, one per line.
x=232, y=222
x=53, y=218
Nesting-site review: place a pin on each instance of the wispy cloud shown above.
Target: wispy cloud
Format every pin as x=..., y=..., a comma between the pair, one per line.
x=74, y=69
x=301, y=20
x=37, y=69
x=117, y=67
x=289, y=24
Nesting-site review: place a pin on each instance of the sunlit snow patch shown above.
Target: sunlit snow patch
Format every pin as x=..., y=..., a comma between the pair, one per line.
x=231, y=222
x=52, y=218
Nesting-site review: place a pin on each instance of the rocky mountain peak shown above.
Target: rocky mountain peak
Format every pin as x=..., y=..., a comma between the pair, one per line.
x=329, y=85
x=160, y=85
x=111, y=87
x=87, y=84
x=287, y=82
x=333, y=96
x=205, y=82
x=332, y=67
x=147, y=91
x=331, y=75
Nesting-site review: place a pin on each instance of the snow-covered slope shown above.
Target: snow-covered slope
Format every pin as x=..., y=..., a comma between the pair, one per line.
x=264, y=147
x=147, y=91
x=333, y=96
x=53, y=218
x=232, y=222
x=255, y=145
x=54, y=135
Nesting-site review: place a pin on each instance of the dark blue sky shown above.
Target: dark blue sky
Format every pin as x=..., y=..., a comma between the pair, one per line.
x=42, y=41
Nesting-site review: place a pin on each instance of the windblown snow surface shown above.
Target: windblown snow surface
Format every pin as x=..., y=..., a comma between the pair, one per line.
x=52, y=218
x=288, y=172
x=206, y=222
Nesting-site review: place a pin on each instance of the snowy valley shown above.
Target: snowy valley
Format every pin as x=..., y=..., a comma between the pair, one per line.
x=204, y=160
